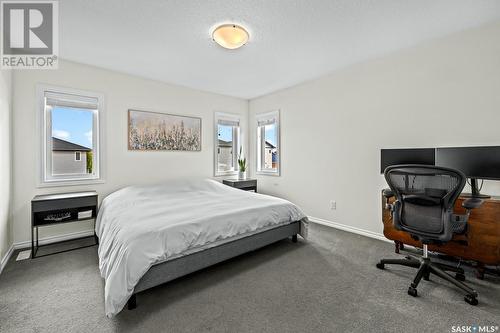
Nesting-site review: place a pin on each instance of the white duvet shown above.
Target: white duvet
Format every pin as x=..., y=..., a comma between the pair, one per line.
x=140, y=226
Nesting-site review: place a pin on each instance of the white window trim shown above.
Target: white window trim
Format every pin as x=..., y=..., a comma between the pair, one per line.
x=98, y=138
x=236, y=138
x=78, y=153
x=259, y=117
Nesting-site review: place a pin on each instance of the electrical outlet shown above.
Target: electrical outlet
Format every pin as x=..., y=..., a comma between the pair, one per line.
x=333, y=205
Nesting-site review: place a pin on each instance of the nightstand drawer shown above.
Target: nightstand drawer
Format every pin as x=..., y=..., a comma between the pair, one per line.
x=46, y=205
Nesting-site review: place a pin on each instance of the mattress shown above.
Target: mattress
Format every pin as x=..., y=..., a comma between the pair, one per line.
x=140, y=226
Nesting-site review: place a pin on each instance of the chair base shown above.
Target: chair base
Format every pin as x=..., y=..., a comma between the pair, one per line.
x=426, y=268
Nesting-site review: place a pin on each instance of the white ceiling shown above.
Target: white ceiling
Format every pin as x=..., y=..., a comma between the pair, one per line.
x=291, y=41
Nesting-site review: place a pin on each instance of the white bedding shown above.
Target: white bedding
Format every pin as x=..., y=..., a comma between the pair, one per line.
x=140, y=226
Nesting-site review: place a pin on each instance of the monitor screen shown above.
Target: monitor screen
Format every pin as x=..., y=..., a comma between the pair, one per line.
x=406, y=156
x=474, y=162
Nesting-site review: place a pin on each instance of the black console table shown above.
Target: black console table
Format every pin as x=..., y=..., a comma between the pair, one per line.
x=61, y=208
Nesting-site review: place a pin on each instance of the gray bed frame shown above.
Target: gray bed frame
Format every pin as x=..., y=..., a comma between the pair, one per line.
x=173, y=269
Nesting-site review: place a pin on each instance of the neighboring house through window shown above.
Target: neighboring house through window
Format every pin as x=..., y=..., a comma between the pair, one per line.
x=67, y=158
x=70, y=122
x=268, y=143
x=227, y=143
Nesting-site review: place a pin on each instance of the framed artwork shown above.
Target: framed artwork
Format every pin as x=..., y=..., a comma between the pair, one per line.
x=162, y=131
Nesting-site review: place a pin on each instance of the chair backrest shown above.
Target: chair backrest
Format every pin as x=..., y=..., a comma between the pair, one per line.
x=425, y=197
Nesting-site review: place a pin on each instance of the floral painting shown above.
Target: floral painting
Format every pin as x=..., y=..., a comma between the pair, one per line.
x=161, y=131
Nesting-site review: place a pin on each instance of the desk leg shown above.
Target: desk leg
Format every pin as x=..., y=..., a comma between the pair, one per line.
x=480, y=269
x=37, y=237
x=396, y=246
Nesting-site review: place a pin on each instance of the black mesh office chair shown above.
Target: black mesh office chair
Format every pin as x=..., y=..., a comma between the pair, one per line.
x=425, y=197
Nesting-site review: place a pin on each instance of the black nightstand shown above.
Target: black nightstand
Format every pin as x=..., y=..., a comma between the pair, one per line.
x=61, y=208
x=246, y=185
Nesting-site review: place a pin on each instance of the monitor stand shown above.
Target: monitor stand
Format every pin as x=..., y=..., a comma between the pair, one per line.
x=475, y=191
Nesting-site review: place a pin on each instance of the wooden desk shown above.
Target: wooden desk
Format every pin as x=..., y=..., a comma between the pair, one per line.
x=480, y=243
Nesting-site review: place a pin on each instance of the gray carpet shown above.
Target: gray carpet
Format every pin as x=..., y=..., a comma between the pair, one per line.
x=328, y=284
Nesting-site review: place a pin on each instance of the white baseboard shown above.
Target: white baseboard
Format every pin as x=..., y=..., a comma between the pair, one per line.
x=6, y=258
x=348, y=228
x=54, y=239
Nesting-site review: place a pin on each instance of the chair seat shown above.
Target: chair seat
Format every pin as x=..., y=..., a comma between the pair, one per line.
x=458, y=227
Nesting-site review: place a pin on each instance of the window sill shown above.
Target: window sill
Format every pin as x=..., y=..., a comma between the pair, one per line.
x=61, y=183
x=268, y=173
x=225, y=174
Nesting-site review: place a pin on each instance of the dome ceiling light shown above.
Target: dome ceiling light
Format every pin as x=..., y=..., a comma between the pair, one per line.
x=230, y=36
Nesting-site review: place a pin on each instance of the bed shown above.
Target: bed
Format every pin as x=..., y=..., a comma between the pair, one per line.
x=149, y=235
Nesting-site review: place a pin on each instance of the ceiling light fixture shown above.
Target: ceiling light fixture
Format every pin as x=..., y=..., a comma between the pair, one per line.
x=230, y=36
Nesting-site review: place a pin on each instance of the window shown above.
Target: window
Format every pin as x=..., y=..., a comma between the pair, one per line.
x=227, y=143
x=268, y=143
x=70, y=135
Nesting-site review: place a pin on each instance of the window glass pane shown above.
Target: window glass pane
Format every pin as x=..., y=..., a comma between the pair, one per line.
x=72, y=146
x=225, y=153
x=270, y=158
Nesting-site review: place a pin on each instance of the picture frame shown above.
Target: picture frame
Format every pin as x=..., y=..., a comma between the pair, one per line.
x=156, y=131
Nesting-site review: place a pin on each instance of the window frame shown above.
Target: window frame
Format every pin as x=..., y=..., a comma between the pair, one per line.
x=236, y=142
x=260, y=137
x=79, y=154
x=44, y=125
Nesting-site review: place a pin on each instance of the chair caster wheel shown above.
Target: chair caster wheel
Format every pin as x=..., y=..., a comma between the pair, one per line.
x=380, y=265
x=460, y=277
x=471, y=300
x=412, y=291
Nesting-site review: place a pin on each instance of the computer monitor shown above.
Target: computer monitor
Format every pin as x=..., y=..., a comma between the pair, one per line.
x=406, y=156
x=475, y=162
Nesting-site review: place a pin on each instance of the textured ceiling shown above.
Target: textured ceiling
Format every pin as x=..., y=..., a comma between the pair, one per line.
x=291, y=41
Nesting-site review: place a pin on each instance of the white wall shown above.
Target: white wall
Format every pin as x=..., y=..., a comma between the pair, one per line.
x=5, y=161
x=123, y=167
x=442, y=93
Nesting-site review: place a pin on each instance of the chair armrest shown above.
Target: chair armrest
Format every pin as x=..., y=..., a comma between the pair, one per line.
x=472, y=203
x=388, y=193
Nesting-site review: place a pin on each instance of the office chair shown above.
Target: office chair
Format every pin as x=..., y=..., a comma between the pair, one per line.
x=425, y=197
